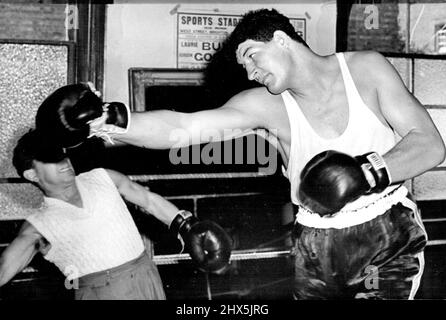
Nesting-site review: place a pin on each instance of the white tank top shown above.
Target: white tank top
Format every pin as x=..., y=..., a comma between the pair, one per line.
x=99, y=236
x=364, y=133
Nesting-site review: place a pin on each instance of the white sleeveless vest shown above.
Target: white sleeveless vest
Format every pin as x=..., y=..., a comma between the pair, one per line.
x=99, y=236
x=364, y=133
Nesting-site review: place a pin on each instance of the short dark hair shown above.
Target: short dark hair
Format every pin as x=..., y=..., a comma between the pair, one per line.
x=260, y=25
x=33, y=145
x=224, y=77
x=22, y=158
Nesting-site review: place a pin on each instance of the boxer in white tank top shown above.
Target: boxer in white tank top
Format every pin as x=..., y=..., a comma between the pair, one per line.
x=370, y=214
x=354, y=102
x=364, y=132
x=85, y=228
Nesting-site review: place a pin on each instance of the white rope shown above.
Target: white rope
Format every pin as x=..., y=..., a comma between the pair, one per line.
x=235, y=256
x=213, y=195
x=436, y=242
x=186, y=176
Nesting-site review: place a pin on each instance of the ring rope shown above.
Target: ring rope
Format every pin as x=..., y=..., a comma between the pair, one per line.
x=235, y=256
x=247, y=291
x=188, y=176
x=213, y=195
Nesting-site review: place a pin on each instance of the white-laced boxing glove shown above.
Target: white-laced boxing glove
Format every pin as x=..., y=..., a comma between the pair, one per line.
x=74, y=113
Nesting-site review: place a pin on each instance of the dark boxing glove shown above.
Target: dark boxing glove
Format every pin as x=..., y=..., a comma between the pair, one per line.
x=332, y=179
x=206, y=242
x=375, y=171
x=67, y=113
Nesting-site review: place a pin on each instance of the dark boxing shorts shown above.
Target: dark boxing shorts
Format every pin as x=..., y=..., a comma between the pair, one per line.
x=378, y=259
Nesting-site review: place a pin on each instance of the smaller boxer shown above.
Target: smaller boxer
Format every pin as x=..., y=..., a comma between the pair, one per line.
x=86, y=230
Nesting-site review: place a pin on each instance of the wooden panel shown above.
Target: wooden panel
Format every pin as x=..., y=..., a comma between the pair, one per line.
x=433, y=281
x=433, y=210
x=430, y=80
x=141, y=78
x=403, y=66
x=436, y=230
x=439, y=117
x=431, y=185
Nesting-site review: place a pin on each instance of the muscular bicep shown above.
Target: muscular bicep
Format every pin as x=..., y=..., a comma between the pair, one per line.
x=242, y=114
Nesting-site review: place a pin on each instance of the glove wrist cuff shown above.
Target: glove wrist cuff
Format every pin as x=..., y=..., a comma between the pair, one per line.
x=376, y=172
x=182, y=217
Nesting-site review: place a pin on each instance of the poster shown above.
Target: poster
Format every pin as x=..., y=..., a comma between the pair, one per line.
x=200, y=35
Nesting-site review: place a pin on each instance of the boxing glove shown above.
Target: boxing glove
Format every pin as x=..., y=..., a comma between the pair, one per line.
x=332, y=179
x=67, y=113
x=206, y=242
x=115, y=119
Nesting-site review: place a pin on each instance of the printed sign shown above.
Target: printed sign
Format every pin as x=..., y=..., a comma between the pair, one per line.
x=299, y=25
x=199, y=36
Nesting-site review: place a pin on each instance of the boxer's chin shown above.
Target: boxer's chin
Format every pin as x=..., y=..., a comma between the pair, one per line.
x=274, y=90
x=272, y=86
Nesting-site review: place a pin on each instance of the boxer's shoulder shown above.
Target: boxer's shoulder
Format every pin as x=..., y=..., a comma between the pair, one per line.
x=369, y=70
x=357, y=57
x=368, y=63
x=256, y=98
x=29, y=230
x=258, y=103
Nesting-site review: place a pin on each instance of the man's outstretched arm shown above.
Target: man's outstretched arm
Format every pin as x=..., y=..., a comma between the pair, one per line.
x=164, y=129
x=160, y=129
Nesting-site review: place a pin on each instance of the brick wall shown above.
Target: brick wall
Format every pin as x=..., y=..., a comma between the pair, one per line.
x=32, y=20
x=386, y=38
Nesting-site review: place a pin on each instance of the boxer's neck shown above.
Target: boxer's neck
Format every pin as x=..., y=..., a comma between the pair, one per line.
x=68, y=193
x=314, y=76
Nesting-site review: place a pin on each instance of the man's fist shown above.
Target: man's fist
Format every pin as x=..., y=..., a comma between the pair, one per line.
x=332, y=179
x=67, y=115
x=207, y=243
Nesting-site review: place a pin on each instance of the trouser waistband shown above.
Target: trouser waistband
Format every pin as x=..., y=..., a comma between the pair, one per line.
x=349, y=218
x=109, y=274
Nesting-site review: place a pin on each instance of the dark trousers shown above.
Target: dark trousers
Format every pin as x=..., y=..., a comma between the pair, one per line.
x=379, y=259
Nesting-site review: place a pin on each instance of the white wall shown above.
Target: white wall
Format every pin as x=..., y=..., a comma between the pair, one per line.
x=144, y=35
